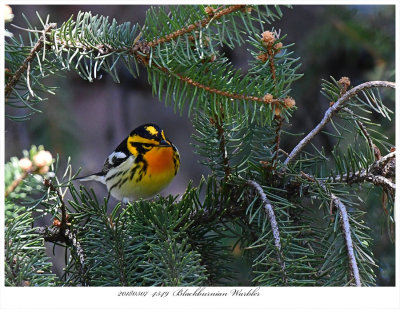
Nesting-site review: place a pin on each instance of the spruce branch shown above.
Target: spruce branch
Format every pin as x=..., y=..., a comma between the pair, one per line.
x=274, y=225
x=25, y=65
x=200, y=24
x=332, y=111
x=141, y=50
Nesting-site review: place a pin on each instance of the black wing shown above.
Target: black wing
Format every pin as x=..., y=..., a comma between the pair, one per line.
x=119, y=155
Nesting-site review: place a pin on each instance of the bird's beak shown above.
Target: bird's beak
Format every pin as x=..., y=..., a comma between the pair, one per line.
x=164, y=143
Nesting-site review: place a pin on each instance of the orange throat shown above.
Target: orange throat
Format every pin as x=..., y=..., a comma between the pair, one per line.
x=160, y=160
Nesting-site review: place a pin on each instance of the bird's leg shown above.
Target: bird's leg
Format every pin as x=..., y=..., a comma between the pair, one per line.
x=124, y=202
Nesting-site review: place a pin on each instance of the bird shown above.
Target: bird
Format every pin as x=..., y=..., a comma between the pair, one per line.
x=142, y=165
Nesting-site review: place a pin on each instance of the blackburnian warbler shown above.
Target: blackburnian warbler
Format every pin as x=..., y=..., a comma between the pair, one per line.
x=141, y=166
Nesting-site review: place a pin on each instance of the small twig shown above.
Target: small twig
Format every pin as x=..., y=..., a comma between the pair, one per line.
x=347, y=235
x=279, y=122
x=63, y=224
x=362, y=128
x=17, y=75
x=16, y=183
x=222, y=148
x=332, y=111
x=274, y=225
x=204, y=22
x=26, y=29
x=28, y=72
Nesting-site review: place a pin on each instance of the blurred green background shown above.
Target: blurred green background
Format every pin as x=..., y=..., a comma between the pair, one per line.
x=86, y=121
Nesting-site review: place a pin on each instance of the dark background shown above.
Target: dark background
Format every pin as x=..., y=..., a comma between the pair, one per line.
x=86, y=121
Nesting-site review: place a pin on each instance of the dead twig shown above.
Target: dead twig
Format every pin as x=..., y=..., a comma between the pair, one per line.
x=347, y=235
x=345, y=223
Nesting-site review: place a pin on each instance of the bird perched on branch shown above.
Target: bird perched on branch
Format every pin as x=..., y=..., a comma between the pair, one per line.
x=141, y=166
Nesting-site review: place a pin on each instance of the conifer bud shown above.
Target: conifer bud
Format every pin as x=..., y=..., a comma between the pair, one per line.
x=8, y=14
x=268, y=98
x=345, y=83
x=289, y=102
x=25, y=164
x=42, y=158
x=262, y=57
x=268, y=37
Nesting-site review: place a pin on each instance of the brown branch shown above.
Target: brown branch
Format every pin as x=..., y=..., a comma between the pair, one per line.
x=143, y=47
x=228, y=94
x=332, y=111
x=63, y=224
x=202, y=23
x=17, y=75
x=271, y=53
x=274, y=225
x=269, y=39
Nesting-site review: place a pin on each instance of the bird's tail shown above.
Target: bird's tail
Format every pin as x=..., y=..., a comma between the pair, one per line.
x=97, y=177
